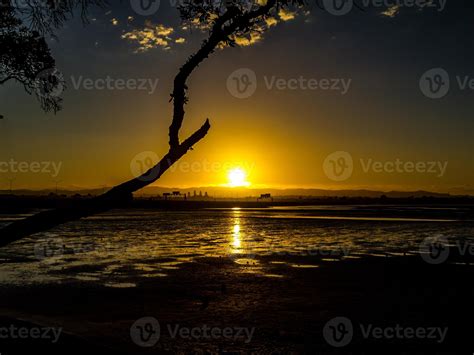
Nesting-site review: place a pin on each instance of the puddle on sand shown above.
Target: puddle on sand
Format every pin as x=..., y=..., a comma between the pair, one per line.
x=273, y=276
x=304, y=266
x=120, y=284
x=246, y=262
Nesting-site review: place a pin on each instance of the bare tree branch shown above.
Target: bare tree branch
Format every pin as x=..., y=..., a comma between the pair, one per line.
x=120, y=194
x=233, y=20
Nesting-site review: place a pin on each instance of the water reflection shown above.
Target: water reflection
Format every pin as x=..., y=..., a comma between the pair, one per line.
x=122, y=247
x=236, y=236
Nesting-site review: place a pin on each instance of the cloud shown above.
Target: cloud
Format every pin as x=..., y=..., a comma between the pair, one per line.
x=151, y=36
x=252, y=38
x=271, y=21
x=160, y=36
x=392, y=11
x=286, y=15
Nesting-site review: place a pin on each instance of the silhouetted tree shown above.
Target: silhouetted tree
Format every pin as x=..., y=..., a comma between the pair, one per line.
x=25, y=56
x=226, y=22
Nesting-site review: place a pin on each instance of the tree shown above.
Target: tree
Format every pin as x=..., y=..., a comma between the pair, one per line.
x=26, y=57
x=227, y=23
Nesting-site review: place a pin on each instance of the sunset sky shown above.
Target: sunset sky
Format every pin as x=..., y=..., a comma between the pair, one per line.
x=280, y=137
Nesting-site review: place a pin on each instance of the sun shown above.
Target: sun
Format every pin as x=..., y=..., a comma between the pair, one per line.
x=237, y=177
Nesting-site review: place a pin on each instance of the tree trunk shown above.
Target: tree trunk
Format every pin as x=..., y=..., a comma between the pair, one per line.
x=224, y=26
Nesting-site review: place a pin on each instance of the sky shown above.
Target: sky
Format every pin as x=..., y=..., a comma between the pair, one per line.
x=316, y=101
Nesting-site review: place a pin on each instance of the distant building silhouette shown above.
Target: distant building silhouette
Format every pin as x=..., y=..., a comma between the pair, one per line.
x=265, y=197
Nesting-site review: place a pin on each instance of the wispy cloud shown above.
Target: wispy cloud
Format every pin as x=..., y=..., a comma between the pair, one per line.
x=252, y=38
x=271, y=21
x=392, y=11
x=160, y=36
x=152, y=36
x=286, y=15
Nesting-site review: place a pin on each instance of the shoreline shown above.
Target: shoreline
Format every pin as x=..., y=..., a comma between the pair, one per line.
x=288, y=313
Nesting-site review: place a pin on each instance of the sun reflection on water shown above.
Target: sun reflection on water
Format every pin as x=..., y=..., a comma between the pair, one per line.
x=121, y=248
x=236, y=236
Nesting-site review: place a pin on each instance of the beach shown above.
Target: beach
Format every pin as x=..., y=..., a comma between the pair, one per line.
x=235, y=297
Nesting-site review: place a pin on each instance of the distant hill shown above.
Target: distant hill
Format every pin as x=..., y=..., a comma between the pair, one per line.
x=217, y=191
x=249, y=192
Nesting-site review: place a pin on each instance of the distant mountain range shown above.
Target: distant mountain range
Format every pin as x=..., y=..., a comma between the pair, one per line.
x=225, y=192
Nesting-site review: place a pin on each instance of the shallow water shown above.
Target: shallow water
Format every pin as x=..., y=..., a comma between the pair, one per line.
x=122, y=247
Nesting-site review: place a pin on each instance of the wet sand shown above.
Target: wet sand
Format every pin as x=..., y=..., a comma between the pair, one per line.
x=287, y=304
